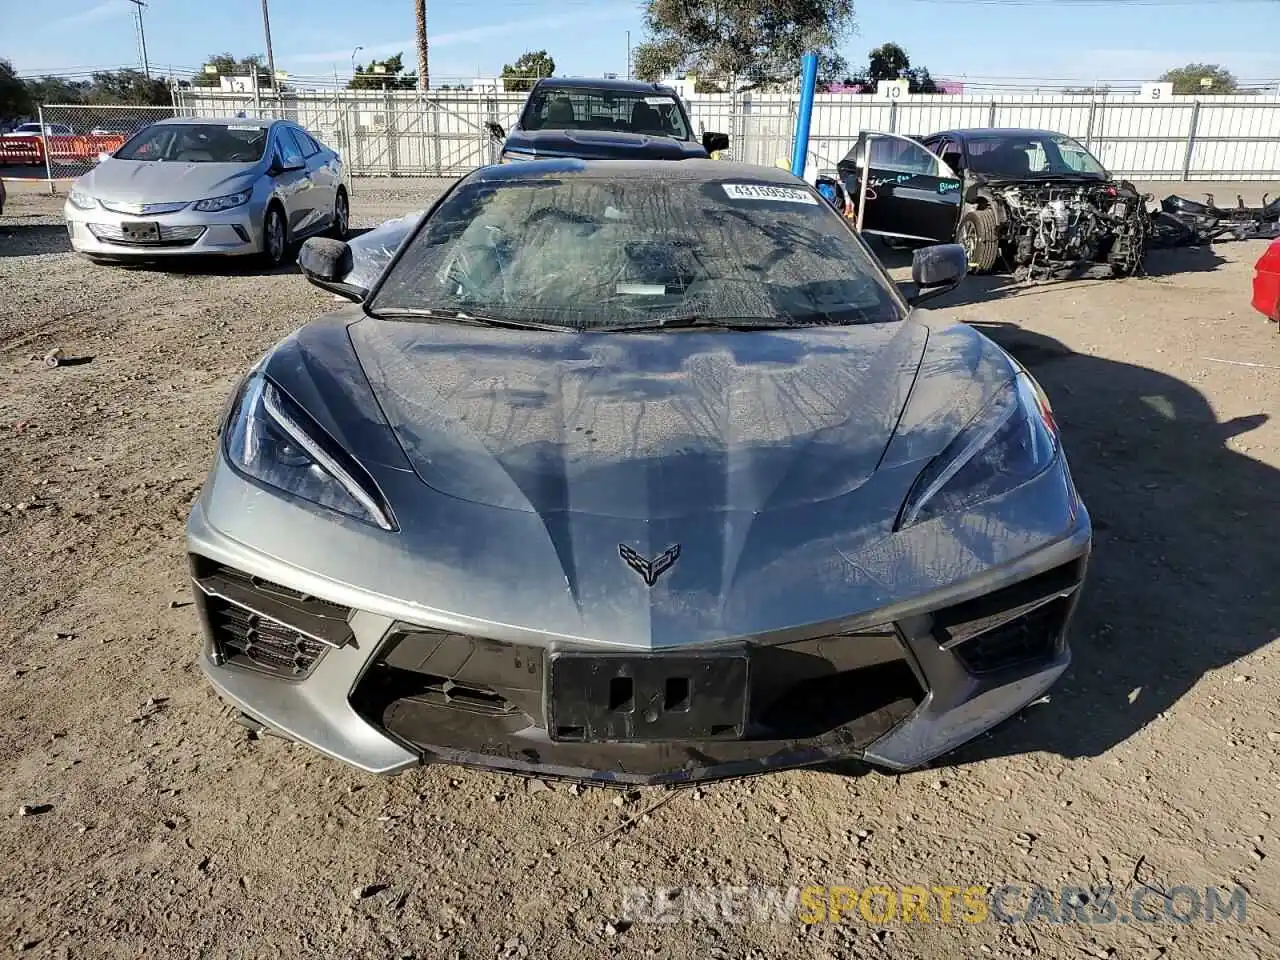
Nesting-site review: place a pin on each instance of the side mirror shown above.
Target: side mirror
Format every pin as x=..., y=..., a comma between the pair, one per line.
x=937, y=270
x=326, y=263
x=495, y=130
x=711, y=142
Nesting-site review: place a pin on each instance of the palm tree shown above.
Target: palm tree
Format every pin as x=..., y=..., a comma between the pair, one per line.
x=420, y=8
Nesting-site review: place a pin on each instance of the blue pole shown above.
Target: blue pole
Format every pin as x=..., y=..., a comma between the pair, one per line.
x=808, y=84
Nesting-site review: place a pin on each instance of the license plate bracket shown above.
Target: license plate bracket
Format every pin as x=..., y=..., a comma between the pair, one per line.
x=140, y=231
x=594, y=697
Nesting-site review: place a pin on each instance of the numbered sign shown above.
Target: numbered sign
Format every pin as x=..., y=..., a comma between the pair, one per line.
x=893, y=89
x=1156, y=92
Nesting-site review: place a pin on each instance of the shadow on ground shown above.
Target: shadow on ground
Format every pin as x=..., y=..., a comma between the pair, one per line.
x=214, y=266
x=1180, y=582
x=984, y=288
x=18, y=239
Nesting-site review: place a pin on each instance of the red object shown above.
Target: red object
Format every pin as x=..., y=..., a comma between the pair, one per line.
x=61, y=149
x=1266, y=282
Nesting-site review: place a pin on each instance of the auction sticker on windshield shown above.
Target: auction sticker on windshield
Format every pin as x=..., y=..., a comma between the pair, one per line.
x=760, y=191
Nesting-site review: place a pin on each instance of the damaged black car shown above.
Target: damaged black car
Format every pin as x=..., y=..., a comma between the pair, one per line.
x=1033, y=202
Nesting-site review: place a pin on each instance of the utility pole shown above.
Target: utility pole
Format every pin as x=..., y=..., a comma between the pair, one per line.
x=142, y=36
x=628, y=54
x=271, y=57
x=424, y=71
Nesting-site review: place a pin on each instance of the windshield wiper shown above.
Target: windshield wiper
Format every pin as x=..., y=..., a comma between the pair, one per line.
x=691, y=320
x=471, y=319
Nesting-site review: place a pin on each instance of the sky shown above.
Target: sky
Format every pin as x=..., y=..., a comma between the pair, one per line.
x=1081, y=40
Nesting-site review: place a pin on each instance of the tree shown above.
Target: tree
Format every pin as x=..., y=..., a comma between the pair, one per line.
x=129, y=86
x=1189, y=79
x=890, y=62
x=527, y=68
x=420, y=14
x=15, y=97
x=385, y=74
x=756, y=41
x=57, y=90
x=226, y=65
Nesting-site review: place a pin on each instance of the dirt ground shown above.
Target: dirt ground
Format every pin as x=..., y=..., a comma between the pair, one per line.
x=137, y=819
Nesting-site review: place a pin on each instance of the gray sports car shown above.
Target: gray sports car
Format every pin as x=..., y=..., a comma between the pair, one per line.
x=634, y=472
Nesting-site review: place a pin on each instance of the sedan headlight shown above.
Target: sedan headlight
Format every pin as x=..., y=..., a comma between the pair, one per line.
x=81, y=200
x=1011, y=441
x=273, y=440
x=216, y=204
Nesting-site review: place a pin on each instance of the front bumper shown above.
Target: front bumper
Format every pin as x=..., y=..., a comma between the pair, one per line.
x=106, y=233
x=383, y=694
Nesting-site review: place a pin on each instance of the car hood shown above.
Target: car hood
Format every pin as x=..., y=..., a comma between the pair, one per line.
x=602, y=145
x=641, y=426
x=152, y=181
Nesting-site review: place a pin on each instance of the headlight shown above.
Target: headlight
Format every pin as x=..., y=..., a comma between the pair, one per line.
x=1011, y=441
x=224, y=203
x=513, y=156
x=273, y=440
x=81, y=200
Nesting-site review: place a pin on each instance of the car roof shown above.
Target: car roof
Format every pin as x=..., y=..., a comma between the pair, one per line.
x=601, y=83
x=985, y=132
x=222, y=121
x=695, y=170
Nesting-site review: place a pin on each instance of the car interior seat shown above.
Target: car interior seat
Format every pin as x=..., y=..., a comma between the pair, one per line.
x=645, y=119
x=559, y=113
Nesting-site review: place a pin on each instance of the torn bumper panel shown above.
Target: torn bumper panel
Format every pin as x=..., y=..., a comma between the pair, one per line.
x=384, y=694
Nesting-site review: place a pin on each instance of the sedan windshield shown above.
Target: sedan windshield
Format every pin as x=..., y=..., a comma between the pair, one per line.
x=586, y=253
x=580, y=108
x=197, y=143
x=1030, y=155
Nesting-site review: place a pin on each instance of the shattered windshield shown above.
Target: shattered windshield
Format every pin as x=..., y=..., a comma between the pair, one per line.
x=1032, y=155
x=580, y=108
x=587, y=253
x=197, y=143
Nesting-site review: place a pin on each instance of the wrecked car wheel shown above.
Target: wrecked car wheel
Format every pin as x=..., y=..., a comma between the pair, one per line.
x=978, y=233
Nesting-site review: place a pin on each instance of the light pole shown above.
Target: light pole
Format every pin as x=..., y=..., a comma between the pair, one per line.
x=353, y=61
x=271, y=57
x=142, y=37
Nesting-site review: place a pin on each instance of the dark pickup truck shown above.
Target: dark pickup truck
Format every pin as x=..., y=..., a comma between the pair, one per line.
x=604, y=120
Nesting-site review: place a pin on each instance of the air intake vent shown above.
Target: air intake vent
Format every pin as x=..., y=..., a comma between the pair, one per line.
x=265, y=626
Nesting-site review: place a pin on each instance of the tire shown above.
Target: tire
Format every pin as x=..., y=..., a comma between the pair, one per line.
x=275, y=237
x=341, y=215
x=979, y=234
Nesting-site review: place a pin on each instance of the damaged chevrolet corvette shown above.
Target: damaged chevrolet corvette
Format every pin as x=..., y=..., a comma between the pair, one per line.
x=1035, y=202
x=636, y=473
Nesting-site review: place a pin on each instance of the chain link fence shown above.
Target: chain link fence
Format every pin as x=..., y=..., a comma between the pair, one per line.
x=446, y=133
x=70, y=137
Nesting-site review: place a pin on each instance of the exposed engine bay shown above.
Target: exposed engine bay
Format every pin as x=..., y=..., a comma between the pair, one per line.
x=1059, y=228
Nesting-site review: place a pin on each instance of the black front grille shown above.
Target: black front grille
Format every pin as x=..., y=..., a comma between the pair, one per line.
x=266, y=644
x=261, y=625
x=1031, y=637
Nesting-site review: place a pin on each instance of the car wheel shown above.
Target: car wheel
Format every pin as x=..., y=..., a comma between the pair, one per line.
x=979, y=234
x=341, y=216
x=275, y=237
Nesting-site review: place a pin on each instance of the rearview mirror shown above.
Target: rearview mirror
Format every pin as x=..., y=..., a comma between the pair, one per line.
x=711, y=142
x=937, y=270
x=496, y=131
x=326, y=263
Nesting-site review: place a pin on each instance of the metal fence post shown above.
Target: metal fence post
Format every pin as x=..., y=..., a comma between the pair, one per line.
x=1088, y=134
x=893, y=116
x=44, y=141
x=991, y=115
x=1191, y=140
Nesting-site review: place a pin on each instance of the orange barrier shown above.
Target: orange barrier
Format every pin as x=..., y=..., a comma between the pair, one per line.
x=30, y=150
